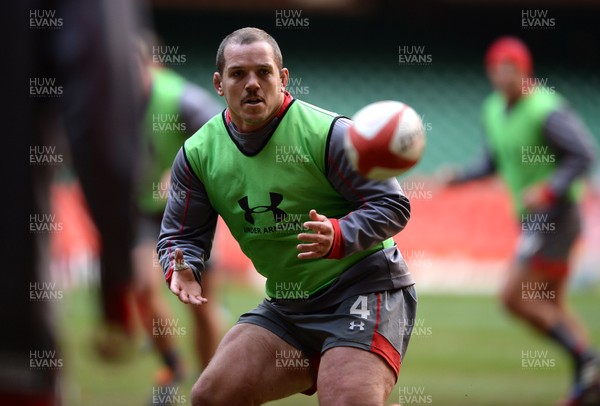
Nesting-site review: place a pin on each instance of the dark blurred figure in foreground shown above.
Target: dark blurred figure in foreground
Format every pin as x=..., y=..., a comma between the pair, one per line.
x=70, y=70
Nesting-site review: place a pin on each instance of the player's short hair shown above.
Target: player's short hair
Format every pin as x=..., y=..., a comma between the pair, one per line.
x=244, y=36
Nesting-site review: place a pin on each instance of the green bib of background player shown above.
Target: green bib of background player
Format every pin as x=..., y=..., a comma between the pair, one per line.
x=523, y=158
x=265, y=198
x=164, y=134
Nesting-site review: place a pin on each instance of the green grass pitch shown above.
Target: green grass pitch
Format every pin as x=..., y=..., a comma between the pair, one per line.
x=465, y=351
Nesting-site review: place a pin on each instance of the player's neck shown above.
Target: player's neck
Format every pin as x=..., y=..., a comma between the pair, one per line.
x=513, y=98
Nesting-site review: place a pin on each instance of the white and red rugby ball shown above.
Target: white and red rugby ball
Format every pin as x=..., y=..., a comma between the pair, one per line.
x=386, y=139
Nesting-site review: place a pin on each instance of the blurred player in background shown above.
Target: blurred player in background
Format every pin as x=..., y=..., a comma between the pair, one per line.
x=90, y=59
x=341, y=299
x=175, y=109
x=541, y=149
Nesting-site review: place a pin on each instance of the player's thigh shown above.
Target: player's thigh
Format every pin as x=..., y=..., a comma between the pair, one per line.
x=530, y=280
x=352, y=376
x=542, y=257
x=528, y=289
x=517, y=275
x=246, y=369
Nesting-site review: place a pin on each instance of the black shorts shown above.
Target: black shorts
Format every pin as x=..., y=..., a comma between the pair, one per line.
x=379, y=322
x=547, y=239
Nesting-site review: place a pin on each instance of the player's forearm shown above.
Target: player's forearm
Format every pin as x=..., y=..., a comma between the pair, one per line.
x=188, y=223
x=381, y=211
x=373, y=222
x=193, y=255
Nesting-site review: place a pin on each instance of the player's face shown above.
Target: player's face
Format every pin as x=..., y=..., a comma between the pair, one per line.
x=252, y=84
x=507, y=79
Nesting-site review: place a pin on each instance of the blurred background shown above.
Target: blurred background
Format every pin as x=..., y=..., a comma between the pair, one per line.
x=342, y=55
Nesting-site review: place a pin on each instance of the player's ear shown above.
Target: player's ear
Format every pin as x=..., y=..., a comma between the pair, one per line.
x=284, y=73
x=217, y=83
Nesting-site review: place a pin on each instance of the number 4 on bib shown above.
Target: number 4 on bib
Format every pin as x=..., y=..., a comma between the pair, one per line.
x=360, y=307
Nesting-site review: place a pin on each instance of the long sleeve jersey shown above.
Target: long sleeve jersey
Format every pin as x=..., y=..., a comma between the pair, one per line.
x=379, y=211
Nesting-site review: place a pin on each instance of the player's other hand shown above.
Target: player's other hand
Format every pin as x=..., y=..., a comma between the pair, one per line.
x=318, y=243
x=184, y=285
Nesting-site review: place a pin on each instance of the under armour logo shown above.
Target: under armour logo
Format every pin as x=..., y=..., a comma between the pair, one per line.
x=360, y=325
x=276, y=199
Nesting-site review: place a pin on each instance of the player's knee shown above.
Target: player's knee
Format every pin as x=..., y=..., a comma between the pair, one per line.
x=204, y=392
x=209, y=391
x=353, y=392
x=511, y=303
x=352, y=396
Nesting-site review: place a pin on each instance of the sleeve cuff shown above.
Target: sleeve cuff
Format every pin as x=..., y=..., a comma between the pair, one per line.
x=337, y=250
x=169, y=275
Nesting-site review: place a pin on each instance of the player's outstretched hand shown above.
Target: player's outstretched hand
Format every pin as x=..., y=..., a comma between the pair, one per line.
x=184, y=285
x=318, y=243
